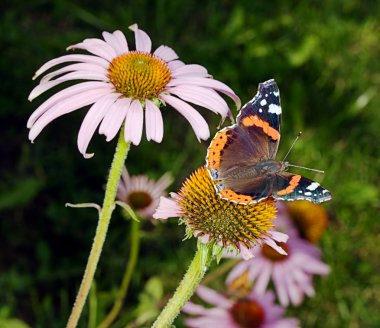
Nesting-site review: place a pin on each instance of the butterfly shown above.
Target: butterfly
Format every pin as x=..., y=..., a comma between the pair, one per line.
x=241, y=157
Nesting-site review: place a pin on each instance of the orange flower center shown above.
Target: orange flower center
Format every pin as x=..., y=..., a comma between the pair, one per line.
x=223, y=221
x=139, y=200
x=248, y=314
x=139, y=75
x=272, y=254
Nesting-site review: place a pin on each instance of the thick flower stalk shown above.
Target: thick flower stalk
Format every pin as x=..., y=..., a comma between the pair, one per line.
x=124, y=86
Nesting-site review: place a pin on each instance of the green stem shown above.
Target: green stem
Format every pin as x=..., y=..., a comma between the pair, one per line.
x=129, y=269
x=186, y=288
x=120, y=155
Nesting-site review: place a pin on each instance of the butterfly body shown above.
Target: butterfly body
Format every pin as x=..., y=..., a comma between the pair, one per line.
x=241, y=158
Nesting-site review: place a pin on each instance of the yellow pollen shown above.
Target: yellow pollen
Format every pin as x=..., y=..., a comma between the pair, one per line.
x=222, y=220
x=139, y=75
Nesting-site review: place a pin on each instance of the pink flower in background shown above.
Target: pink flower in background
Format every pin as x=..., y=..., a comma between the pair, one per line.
x=123, y=86
x=141, y=193
x=253, y=312
x=292, y=274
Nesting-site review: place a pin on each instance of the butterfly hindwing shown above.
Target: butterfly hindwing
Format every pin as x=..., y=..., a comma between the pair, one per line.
x=291, y=187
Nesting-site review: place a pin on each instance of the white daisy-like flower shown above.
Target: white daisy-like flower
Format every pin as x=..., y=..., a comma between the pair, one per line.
x=123, y=86
x=141, y=193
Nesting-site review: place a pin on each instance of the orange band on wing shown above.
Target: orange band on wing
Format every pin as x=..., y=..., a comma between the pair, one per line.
x=293, y=183
x=215, y=150
x=254, y=120
x=233, y=196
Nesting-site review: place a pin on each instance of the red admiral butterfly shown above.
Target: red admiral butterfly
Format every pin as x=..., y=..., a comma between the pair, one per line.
x=241, y=157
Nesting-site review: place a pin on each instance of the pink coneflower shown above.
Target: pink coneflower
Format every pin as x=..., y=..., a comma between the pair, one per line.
x=123, y=85
x=213, y=219
x=251, y=312
x=291, y=275
x=141, y=193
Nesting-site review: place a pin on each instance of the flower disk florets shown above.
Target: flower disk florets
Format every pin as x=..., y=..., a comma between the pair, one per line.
x=206, y=214
x=139, y=75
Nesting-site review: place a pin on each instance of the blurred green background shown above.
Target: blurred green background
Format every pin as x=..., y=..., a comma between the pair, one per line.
x=325, y=58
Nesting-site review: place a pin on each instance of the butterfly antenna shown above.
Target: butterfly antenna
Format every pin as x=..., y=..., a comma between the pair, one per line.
x=306, y=168
x=291, y=147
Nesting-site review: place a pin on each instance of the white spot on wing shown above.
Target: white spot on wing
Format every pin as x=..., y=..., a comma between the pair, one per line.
x=313, y=186
x=325, y=191
x=275, y=109
x=260, y=110
x=276, y=93
x=308, y=193
x=263, y=102
x=300, y=191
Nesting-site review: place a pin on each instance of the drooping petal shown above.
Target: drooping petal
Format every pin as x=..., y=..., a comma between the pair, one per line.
x=154, y=124
x=263, y=279
x=167, y=208
x=134, y=123
x=71, y=58
x=116, y=114
x=208, y=83
x=212, y=297
x=190, y=70
x=41, y=88
x=195, y=119
x=80, y=67
x=165, y=53
x=97, y=47
x=69, y=105
x=64, y=94
x=91, y=121
x=143, y=42
x=175, y=64
x=204, y=97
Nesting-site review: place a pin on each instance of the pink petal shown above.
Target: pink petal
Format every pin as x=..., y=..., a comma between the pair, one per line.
x=114, y=42
x=280, y=285
x=80, y=67
x=190, y=70
x=71, y=58
x=202, y=97
x=91, y=121
x=62, y=95
x=114, y=118
x=195, y=119
x=245, y=252
x=41, y=88
x=134, y=123
x=123, y=44
x=279, y=236
x=153, y=122
x=97, y=47
x=123, y=185
x=236, y=272
x=165, y=53
x=194, y=309
x=212, y=297
x=208, y=83
x=295, y=293
x=167, y=208
x=263, y=279
x=175, y=64
x=73, y=103
x=143, y=42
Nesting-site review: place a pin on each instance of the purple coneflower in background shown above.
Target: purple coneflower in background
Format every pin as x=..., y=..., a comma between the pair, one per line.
x=123, y=85
x=292, y=274
x=141, y=193
x=253, y=312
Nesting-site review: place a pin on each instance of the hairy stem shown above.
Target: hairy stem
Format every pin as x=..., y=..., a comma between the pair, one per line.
x=186, y=288
x=120, y=155
x=129, y=269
